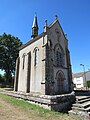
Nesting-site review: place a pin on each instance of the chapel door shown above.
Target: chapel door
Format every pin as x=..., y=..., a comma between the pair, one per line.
x=60, y=83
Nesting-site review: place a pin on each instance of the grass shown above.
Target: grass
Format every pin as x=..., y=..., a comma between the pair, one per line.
x=9, y=89
x=35, y=110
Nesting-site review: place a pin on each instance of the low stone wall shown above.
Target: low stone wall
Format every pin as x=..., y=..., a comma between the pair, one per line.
x=61, y=103
x=82, y=92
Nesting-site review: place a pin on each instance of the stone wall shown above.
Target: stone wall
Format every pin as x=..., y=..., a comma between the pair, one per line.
x=82, y=92
x=60, y=103
x=50, y=88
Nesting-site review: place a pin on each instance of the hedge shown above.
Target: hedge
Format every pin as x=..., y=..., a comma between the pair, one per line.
x=88, y=83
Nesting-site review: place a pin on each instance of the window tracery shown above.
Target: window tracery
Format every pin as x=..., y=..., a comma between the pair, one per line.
x=59, y=57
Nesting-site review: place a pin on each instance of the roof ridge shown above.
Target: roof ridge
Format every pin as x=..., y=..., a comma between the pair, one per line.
x=53, y=22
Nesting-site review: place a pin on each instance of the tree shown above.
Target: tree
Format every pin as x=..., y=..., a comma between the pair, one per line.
x=88, y=83
x=9, y=51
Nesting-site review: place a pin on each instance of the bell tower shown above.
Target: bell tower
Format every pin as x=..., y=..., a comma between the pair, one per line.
x=35, y=27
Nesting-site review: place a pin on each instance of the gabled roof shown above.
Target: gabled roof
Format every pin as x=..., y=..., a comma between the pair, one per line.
x=42, y=34
x=31, y=41
x=54, y=22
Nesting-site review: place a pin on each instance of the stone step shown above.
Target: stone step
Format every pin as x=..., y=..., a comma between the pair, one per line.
x=81, y=109
x=82, y=115
x=76, y=112
x=83, y=105
x=88, y=109
x=89, y=113
x=79, y=98
x=72, y=112
x=82, y=101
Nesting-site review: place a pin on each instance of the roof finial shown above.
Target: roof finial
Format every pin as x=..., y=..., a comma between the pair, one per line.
x=45, y=26
x=46, y=23
x=56, y=16
x=35, y=13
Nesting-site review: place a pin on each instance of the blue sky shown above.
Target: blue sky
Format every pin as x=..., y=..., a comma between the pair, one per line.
x=16, y=17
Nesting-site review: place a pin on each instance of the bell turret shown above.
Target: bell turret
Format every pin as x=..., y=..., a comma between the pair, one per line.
x=35, y=28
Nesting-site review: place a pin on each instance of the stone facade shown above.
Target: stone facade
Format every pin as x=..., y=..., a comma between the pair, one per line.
x=43, y=66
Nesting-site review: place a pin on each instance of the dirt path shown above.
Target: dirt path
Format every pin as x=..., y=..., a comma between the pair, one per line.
x=9, y=112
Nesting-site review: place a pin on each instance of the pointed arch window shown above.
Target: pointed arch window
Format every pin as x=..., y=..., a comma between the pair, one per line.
x=59, y=57
x=23, y=60
x=36, y=57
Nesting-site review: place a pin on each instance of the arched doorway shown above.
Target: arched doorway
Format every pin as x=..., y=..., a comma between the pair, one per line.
x=60, y=82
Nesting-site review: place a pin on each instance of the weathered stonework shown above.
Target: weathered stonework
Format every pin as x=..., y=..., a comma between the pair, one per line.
x=44, y=63
x=60, y=103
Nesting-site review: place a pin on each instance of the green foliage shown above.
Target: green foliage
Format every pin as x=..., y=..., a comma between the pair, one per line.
x=9, y=50
x=1, y=78
x=3, y=81
x=88, y=83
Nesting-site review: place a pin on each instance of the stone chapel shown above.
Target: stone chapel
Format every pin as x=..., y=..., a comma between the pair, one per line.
x=43, y=65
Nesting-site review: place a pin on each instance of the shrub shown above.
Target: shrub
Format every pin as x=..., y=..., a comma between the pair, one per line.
x=88, y=83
